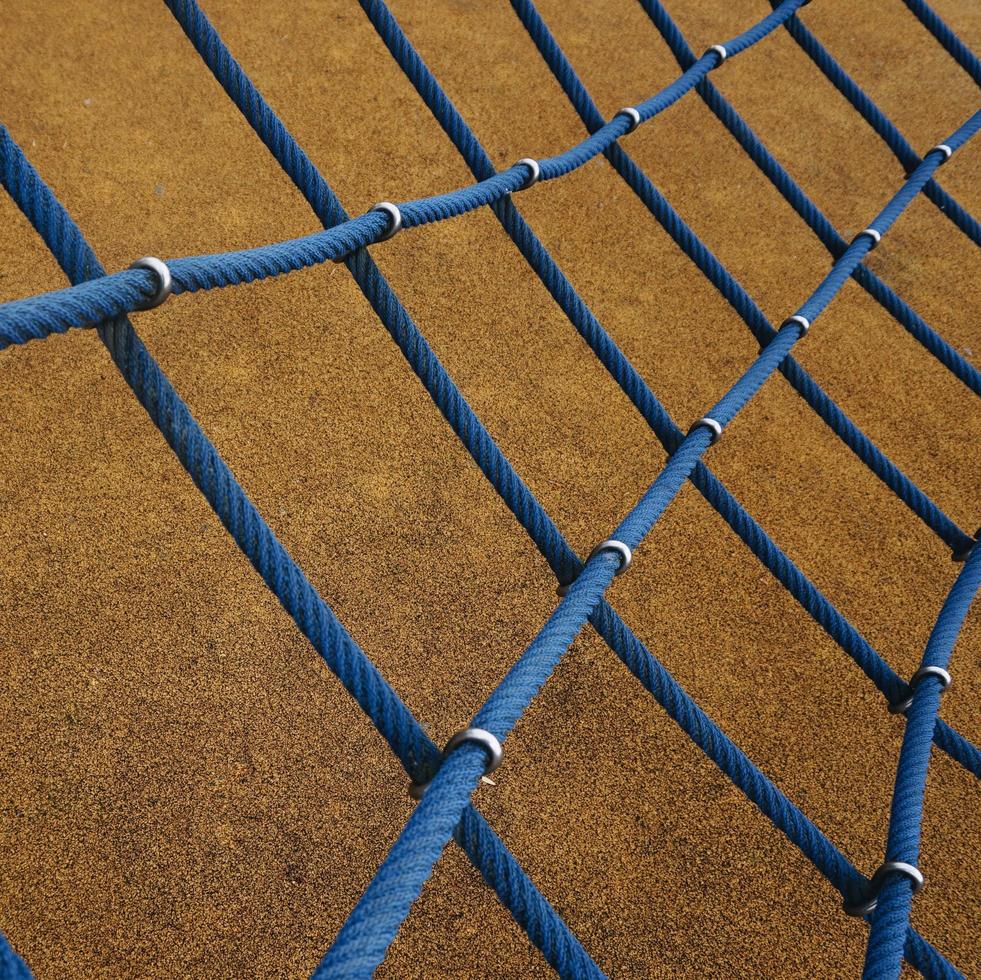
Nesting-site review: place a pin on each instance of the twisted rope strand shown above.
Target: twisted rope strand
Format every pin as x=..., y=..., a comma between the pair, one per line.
x=316, y=620
x=97, y=301
x=478, y=441
x=364, y=939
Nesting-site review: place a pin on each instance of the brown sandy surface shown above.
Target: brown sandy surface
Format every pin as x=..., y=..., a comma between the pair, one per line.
x=186, y=789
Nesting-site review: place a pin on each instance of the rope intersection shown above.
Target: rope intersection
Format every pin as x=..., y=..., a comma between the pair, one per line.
x=443, y=782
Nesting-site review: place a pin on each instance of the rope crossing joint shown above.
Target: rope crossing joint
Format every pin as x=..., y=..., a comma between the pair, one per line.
x=871, y=900
x=165, y=282
x=930, y=670
x=488, y=741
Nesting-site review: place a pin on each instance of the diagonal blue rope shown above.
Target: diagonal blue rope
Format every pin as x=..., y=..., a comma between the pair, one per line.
x=736, y=295
x=109, y=296
x=811, y=599
x=890, y=919
x=918, y=949
x=951, y=43
x=882, y=125
x=485, y=452
x=283, y=576
x=364, y=939
x=806, y=208
x=682, y=709
x=12, y=967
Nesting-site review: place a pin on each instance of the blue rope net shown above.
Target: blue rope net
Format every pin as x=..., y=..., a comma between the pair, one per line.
x=444, y=782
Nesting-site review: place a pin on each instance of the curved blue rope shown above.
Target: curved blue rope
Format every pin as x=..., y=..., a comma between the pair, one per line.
x=882, y=125
x=364, y=939
x=492, y=463
x=918, y=951
x=953, y=45
x=804, y=206
x=890, y=919
x=285, y=579
x=736, y=295
x=109, y=296
x=477, y=440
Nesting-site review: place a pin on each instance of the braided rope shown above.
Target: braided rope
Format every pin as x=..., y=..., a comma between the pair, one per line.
x=364, y=938
x=284, y=577
x=445, y=809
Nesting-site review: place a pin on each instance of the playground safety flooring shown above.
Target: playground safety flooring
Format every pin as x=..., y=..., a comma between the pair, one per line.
x=186, y=790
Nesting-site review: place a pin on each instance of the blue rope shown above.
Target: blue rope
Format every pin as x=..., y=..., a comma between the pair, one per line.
x=891, y=917
x=364, y=939
x=737, y=296
x=954, y=46
x=563, y=559
x=882, y=125
x=488, y=456
x=283, y=576
x=787, y=573
x=800, y=202
x=12, y=967
x=109, y=296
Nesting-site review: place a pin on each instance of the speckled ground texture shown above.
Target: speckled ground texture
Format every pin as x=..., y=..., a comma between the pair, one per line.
x=186, y=790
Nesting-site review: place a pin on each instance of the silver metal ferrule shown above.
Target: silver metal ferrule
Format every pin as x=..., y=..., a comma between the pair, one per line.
x=534, y=172
x=632, y=114
x=707, y=422
x=165, y=284
x=801, y=321
x=394, y=220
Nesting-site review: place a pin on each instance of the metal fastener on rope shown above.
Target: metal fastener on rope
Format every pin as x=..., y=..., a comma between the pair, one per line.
x=706, y=422
x=488, y=741
x=165, y=285
x=944, y=149
x=962, y=554
x=901, y=707
x=873, y=234
x=534, y=172
x=868, y=904
x=394, y=220
x=632, y=114
x=720, y=51
x=611, y=544
x=801, y=321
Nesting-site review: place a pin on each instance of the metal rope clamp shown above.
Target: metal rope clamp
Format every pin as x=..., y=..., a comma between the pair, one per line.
x=488, y=741
x=165, y=284
x=611, y=544
x=631, y=115
x=901, y=707
x=394, y=226
x=867, y=905
x=873, y=234
x=534, y=172
x=707, y=422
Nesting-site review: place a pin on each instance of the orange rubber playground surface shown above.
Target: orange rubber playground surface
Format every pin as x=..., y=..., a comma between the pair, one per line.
x=186, y=790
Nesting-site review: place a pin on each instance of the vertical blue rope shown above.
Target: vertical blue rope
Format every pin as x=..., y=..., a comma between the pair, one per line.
x=891, y=916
